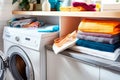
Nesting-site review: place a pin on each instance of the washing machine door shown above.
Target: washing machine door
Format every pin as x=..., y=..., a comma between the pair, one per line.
x=19, y=64
x=2, y=66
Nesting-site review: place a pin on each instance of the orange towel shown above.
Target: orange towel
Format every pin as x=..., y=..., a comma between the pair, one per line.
x=69, y=38
x=72, y=9
x=60, y=44
x=77, y=9
x=99, y=26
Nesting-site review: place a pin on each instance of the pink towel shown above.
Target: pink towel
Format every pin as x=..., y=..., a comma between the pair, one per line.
x=88, y=7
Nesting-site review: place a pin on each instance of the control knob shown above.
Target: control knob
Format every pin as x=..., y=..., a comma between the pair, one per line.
x=17, y=38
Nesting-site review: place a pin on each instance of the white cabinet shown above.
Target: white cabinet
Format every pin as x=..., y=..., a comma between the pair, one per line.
x=106, y=74
x=60, y=67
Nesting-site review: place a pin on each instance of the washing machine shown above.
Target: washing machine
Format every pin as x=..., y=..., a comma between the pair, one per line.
x=24, y=54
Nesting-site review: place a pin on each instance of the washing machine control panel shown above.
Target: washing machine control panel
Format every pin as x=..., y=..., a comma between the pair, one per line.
x=31, y=42
x=28, y=38
x=28, y=41
x=22, y=39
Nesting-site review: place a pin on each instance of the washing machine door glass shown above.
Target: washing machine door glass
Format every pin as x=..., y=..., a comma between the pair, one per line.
x=2, y=68
x=19, y=64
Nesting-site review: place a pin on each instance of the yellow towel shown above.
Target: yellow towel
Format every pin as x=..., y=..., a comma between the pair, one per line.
x=99, y=26
x=77, y=9
x=72, y=9
x=65, y=9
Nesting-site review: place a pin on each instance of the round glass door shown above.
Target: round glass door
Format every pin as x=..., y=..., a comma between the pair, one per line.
x=20, y=65
x=2, y=68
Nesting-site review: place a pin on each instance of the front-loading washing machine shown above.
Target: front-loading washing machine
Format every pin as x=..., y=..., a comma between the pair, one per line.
x=24, y=54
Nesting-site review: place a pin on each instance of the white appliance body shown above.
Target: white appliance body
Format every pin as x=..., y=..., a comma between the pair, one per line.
x=24, y=51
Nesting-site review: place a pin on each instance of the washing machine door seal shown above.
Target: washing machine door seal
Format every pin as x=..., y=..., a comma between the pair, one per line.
x=2, y=65
x=18, y=63
x=1, y=68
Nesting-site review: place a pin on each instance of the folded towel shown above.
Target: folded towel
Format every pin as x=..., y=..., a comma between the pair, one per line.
x=98, y=45
x=107, y=55
x=88, y=7
x=66, y=8
x=72, y=9
x=35, y=24
x=49, y=28
x=98, y=34
x=22, y=22
x=99, y=26
x=77, y=9
x=61, y=44
x=111, y=40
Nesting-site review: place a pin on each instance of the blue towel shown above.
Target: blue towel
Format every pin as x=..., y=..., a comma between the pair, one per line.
x=98, y=45
x=49, y=28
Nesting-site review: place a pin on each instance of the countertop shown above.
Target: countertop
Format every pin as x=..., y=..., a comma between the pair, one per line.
x=105, y=63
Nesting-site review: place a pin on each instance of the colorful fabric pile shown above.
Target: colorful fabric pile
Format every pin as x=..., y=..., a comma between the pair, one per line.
x=48, y=28
x=79, y=6
x=23, y=22
x=33, y=23
x=103, y=35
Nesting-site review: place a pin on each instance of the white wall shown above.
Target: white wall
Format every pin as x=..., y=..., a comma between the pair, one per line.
x=5, y=15
x=110, y=1
x=6, y=8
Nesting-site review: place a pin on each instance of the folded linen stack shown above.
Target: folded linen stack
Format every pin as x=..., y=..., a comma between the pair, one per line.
x=100, y=35
x=99, y=38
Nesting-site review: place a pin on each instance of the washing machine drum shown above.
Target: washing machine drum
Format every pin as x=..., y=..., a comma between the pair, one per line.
x=18, y=63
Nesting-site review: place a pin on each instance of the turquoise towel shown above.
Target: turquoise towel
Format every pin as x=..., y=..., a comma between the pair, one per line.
x=49, y=28
x=98, y=45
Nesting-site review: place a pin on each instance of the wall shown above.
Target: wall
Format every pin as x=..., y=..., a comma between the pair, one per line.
x=5, y=15
x=6, y=8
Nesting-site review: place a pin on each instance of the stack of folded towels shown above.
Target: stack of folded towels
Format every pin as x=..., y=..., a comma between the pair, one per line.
x=103, y=35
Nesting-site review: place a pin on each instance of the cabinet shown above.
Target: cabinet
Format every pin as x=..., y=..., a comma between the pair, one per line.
x=106, y=74
x=60, y=67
